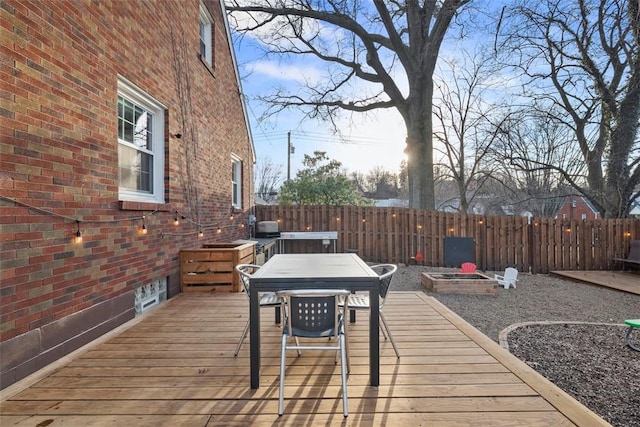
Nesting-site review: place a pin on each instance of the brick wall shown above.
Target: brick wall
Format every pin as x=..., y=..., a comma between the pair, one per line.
x=575, y=207
x=60, y=65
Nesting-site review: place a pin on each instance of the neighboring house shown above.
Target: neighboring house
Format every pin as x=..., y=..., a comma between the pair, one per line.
x=577, y=207
x=124, y=139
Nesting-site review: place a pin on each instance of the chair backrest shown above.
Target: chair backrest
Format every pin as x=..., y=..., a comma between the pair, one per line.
x=385, y=271
x=634, y=251
x=245, y=271
x=312, y=313
x=510, y=274
x=467, y=267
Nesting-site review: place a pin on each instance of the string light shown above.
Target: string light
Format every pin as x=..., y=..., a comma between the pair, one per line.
x=78, y=233
x=143, y=229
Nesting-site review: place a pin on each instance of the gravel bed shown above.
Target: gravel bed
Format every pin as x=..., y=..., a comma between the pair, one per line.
x=590, y=362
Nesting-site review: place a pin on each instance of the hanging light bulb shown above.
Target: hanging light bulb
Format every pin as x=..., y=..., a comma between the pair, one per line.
x=78, y=238
x=176, y=220
x=143, y=229
x=200, y=233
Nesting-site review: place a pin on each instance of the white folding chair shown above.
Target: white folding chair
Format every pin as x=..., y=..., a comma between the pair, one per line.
x=314, y=314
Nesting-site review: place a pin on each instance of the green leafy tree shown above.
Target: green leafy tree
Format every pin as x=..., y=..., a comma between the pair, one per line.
x=321, y=182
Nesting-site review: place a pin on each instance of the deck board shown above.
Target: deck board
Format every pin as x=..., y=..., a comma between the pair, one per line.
x=626, y=281
x=175, y=366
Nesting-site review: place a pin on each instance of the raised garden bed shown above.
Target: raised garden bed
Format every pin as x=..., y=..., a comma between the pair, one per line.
x=459, y=283
x=212, y=267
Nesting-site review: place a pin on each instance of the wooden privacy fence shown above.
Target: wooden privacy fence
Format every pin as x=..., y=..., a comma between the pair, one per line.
x=396, y=235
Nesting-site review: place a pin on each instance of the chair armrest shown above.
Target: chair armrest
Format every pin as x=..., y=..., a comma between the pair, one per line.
x=498, y=277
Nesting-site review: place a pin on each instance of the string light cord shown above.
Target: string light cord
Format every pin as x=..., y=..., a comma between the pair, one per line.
x=72, y=219
x=200, y=228
x=216, y=225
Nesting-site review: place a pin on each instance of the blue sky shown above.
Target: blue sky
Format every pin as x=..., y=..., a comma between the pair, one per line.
x=366, y=141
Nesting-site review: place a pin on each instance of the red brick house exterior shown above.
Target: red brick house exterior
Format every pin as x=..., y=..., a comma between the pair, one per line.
x=116, y=118
x=577, y=207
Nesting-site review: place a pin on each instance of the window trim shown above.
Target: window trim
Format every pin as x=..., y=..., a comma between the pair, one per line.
x=236, y=186
x=205, y=17
x=134, y=94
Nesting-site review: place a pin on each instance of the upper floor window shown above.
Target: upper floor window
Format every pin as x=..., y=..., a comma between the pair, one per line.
x=140, y=146
x=206, y=35
x=236, y=182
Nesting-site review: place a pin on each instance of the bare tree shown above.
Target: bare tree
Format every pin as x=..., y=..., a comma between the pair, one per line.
x=403, y=181
x=581, y=63
x=465, y=110
x=531, y=139
x=378, y=183
x=380, y=56
x=268, y=177
x=359, y=181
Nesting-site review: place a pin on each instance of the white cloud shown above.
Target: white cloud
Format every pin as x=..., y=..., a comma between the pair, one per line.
x=285, y=72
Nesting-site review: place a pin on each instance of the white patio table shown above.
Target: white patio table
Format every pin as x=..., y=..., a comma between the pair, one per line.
x=315, y=271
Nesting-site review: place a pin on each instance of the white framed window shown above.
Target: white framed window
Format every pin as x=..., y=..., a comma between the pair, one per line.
x=206, y=35
x=140, y=145
x=236, y=182
x=584, y=217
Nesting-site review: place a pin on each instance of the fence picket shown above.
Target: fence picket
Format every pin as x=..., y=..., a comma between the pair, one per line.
x=396, y=235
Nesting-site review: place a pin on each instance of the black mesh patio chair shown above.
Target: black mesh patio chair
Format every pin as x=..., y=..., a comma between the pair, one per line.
x=267, y=299
x=360, y=301
x=314, y=314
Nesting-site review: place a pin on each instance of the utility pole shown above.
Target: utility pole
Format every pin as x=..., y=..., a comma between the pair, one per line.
x=290, y=150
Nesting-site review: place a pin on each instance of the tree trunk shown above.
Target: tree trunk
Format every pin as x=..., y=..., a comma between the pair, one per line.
x=420, y=148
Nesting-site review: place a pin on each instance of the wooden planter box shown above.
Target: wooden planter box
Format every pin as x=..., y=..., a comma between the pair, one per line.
x=212, y=267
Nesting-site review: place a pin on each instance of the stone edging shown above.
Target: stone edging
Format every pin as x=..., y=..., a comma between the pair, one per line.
x=504, y=334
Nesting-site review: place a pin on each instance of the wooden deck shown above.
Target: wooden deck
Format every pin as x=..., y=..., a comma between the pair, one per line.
x=174, y=366
x=627, y=281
